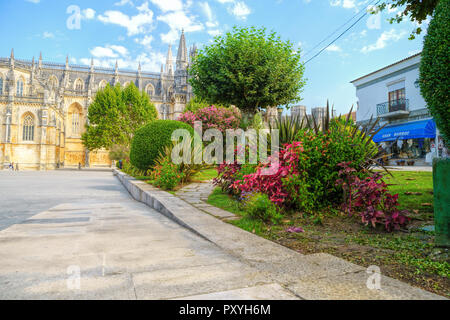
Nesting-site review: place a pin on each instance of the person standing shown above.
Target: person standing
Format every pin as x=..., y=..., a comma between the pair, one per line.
x=17, y=166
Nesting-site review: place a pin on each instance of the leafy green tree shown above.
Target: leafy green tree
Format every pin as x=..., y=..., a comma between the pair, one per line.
x=435, y=68
x=248, y=68
x=416, y=10
x=197, y=103
x=114, y=115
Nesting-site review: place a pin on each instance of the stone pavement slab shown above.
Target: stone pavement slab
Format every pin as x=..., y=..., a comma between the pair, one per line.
x=115, y=249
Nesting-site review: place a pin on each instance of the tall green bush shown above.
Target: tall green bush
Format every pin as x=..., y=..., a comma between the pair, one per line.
x=151, y=140
x=435, y=68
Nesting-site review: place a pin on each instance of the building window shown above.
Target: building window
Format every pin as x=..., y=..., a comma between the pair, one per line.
x=397, y=100
x=75, y=123
x=79, y=86
x=150, y=91
x=20, y=88
x=1, y=86
x=28, y=128
x=53, y=82
x=102, y=85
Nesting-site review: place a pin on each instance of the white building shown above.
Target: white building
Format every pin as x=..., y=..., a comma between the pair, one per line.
x=298, y=112
x=392, y=94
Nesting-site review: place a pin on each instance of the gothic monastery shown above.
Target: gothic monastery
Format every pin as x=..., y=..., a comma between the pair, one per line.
x=44, y=106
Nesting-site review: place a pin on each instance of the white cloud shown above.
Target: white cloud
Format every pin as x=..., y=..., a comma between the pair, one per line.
x=347, y=4
x=333, y=48
x=34, y=1
x=140, y=23
x=211, y=22
x=123, y=2
x=109, y=51
x=240, y=10
x=178, y=20
x=168, y=5
x=386, y=37
x=214, y=32
x=146, y=41
x=48, y=35
x=88, y=13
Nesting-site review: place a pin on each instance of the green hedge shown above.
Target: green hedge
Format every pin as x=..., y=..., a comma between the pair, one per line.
x=435, y=68
x=150, y=140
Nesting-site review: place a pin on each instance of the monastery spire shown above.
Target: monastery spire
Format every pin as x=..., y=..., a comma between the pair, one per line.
x=11, y=60
x=169, y=61
x=182, y=53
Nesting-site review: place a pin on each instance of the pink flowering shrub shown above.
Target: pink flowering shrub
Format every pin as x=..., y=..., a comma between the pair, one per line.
x=370, y=199
x=274, y=185
x=213, y=117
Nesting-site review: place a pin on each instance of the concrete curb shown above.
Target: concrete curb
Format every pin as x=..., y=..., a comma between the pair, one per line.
x=152, y=197
x=317, y=276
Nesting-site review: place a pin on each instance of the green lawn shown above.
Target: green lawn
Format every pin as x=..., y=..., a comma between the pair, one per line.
x=205, y=175
x=420, y=205
x=407, y=256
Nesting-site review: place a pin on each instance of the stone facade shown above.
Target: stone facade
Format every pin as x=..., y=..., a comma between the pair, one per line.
x=44, y=106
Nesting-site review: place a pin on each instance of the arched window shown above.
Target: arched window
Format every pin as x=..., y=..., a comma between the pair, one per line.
x=28, y=128
x=1, y=85
x=53, y=82
x=75, y=123
x=102, y=85
x=20, y=88
x=150, y=90
x=79, y=85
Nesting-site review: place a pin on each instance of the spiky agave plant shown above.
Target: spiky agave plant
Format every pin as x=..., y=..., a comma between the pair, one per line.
x=188, y=169
x=288, y=128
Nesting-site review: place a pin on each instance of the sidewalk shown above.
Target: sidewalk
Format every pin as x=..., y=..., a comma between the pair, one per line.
x=317, y=276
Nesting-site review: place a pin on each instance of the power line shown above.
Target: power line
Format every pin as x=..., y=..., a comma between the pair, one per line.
x=329, y=36
x=340, y=36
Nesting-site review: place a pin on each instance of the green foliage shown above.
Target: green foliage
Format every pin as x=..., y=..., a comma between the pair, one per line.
x=257, y=122
x=288, y=128
x=250, y=69
x=188, y=170
x=131, y=170
x=259, y=207
x=167, y=175
x=150, y=141
x=118, y=152
x=417, y=10
x=435, y=68
x=197, y=103
x=115, y=115
x=318, y=167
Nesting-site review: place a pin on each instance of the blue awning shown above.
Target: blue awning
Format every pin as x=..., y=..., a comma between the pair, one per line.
x=410, y=130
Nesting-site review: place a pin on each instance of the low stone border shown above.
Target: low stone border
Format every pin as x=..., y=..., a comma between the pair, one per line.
x=197, y=194
x=316, y=276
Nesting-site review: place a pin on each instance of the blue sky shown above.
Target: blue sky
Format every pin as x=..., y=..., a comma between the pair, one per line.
x=140, y=30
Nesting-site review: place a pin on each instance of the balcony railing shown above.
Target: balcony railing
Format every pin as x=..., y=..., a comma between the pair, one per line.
x=393, y=106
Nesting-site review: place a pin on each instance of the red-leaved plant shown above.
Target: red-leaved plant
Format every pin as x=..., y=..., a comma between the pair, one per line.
x=370, y=199
x=274, y=185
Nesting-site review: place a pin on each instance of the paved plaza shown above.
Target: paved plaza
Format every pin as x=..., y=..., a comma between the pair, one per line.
x=59, y=224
